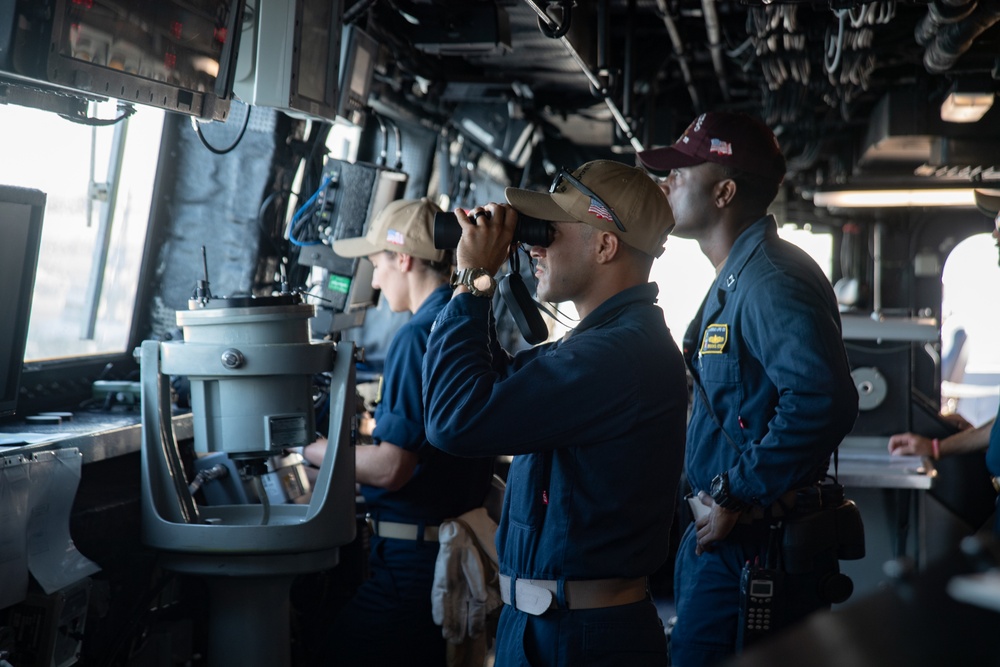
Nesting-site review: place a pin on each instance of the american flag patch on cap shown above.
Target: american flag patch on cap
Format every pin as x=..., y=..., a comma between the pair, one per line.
x=599, y=209
x=721, y=147
x=395, y=238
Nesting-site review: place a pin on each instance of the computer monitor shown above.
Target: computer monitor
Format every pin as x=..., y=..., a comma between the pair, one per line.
x=290, y=57
x=177, y=55
x=21, y=213
x=359, y=53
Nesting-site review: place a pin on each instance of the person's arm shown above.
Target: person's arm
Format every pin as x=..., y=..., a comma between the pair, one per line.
x=969, y=440
x=315, y=451
x=585, y=386
x=383, y=465
x=793, y=334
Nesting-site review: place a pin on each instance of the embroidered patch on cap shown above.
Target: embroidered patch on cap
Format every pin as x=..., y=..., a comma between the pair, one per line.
x=715, y=339
x=395, y=238
x=721, y=147
x=599, y=209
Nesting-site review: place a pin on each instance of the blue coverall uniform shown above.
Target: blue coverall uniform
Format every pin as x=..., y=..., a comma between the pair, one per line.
x=993, y=465
x=596, y=423
x=766, y=354
x=388, y=620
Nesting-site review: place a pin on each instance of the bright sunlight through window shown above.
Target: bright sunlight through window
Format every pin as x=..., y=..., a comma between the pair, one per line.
x=92, y=245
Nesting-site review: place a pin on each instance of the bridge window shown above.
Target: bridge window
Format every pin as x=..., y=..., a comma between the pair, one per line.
x=970, y=320
x=99, y=183
x=684, y=274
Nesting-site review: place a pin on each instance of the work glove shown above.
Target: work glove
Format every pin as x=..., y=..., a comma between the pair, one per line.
x=459, y=592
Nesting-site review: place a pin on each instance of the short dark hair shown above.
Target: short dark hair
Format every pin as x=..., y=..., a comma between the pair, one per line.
x=756, y=190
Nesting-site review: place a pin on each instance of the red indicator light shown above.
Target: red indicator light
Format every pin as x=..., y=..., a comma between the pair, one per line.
x=220, y=35
x=176, y=28
x=85, y=4
x=170, y=60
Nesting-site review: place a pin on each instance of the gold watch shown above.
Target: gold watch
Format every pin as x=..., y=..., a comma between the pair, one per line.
x=478, y=280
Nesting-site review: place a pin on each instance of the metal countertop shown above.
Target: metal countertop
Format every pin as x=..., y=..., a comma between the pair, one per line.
x=866, y=463
x=98, y=435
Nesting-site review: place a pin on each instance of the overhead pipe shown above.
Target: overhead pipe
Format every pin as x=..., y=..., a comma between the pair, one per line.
x=955, y=39
x=603, y=39
x=941, y=13
x=715, y=44
x=950, y=28
x=628, y=69
x=354, y=12
x=682, y=61
x=599, y=86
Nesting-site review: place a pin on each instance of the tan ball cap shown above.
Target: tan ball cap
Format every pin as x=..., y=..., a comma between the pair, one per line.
x=405, y=225
x=633, y=196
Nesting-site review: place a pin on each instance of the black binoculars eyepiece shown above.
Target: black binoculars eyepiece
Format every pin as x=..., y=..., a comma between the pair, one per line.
x=530, y=231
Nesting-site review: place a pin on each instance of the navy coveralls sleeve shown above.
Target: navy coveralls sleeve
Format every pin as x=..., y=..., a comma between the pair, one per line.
x=537, y=402
x=596, y=423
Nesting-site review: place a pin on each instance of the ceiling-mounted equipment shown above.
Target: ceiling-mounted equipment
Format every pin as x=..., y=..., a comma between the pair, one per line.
x=290, y=57
x=470, y=29
x=552, y=30
x=500, y=128
x=358, y=55
x=178, y=55
x=966, y=102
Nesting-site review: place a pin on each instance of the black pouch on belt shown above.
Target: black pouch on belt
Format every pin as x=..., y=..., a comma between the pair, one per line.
x=823, y=524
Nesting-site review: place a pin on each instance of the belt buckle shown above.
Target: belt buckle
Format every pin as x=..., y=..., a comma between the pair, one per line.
x=531, y=598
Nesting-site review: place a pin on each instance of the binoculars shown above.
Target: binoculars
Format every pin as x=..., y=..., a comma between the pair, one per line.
x=531, y=231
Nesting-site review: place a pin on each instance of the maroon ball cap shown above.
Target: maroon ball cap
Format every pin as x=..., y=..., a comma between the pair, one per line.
x=733, y=139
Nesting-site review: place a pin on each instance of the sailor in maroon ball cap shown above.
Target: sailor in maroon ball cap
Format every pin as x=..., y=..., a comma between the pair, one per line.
x=773, y=390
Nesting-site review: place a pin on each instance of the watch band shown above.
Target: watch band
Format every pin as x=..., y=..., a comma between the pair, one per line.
x=720, y=494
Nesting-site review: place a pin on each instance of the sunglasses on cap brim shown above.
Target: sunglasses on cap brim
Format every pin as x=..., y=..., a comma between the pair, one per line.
x=597, y=205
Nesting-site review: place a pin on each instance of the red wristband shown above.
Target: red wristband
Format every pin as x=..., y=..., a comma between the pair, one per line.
x=936, y=446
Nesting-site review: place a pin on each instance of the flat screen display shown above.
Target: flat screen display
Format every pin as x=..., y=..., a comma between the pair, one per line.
x=357, y=67
x=290, y=57
x=21, y=213
x=316, y=57
x=174, y=54
x=314, y=71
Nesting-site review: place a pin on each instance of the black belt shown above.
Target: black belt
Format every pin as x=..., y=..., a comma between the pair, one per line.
x=775, y=510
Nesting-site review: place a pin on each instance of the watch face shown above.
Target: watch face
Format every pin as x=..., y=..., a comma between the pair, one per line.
x=482, y=282
x=717, y=488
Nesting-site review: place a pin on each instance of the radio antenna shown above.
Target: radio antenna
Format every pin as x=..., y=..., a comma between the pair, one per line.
x=203, y=292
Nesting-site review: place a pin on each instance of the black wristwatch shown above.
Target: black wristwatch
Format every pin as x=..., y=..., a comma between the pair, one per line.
x=479, y=282
x=720, y=494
